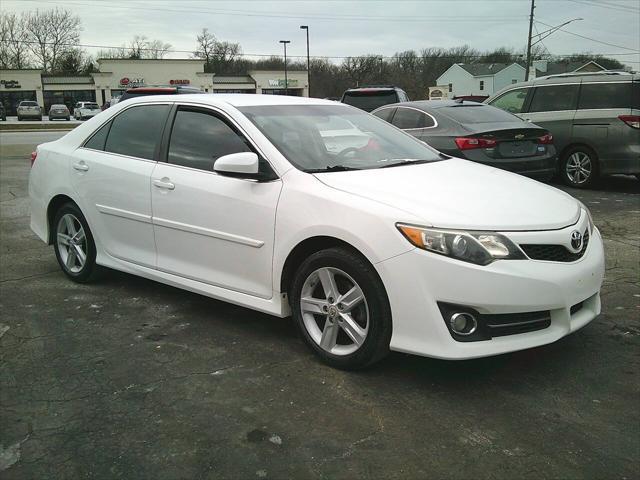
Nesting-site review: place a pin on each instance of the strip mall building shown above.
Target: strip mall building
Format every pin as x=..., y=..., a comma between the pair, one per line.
x=116, y=75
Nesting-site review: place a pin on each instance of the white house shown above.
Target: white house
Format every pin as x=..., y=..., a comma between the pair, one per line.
x=480, y=78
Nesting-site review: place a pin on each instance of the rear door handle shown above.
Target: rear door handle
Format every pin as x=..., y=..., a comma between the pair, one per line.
x=81, y=166
x=164, y=183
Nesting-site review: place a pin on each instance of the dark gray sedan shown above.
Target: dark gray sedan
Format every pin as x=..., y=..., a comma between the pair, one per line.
x=480, y=133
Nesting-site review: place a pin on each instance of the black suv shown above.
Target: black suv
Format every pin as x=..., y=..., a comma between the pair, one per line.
x=158, y=90
x=373, y=96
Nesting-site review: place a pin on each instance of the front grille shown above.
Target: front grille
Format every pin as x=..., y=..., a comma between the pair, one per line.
x=514, y=323
x=555, y=253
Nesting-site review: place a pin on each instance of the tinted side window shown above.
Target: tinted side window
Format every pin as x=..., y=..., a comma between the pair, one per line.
x=198, y=139
x=554, y=98
x=410, y=118
x=136, y=131
x=99, y=138
x=385, y=114
x=511, y=101
x=605, y=95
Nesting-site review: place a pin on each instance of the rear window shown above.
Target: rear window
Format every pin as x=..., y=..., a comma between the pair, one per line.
x=28, y=104
x=370, y=100
x=91, y=106
x=606, y=95
x=477, y=114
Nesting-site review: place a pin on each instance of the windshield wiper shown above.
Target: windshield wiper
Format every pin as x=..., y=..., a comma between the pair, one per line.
x=406, y=162
x=332, y=168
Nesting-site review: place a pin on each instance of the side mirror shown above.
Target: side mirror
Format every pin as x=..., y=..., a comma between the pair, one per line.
x=244, y=165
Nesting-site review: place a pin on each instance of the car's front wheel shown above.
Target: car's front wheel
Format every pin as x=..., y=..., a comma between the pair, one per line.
x=341, y=308
x=74, y=245
x=579, y=167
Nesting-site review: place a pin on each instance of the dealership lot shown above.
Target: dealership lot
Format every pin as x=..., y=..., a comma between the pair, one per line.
x=129, y=378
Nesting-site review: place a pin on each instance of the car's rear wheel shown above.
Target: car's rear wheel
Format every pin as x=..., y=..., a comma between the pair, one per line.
x=341, y=308
x=579, y=167
x=74, y=245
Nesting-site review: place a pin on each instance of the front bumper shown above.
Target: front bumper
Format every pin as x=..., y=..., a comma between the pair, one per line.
x=417, y=280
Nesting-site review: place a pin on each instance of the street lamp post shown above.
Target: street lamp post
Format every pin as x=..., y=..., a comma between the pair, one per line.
x=306, y=27
x=286, y=82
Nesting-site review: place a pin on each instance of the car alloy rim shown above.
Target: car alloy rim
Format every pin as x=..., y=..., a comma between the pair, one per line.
x=334, y=311
x=72, y=243
x=579, y=167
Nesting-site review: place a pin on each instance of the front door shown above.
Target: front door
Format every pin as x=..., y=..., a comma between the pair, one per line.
x=112, y=175
x=209, y=227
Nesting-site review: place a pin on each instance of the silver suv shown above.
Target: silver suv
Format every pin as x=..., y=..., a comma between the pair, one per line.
x=594, y=119
x=29, y=109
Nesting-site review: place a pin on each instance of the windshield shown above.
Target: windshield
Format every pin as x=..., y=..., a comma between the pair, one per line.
x=370, y=100
x=323, y=137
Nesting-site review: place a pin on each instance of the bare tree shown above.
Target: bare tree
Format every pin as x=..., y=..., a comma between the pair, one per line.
x=14, y=52
x=51, y=32
x=206, y=44
x=137, y=47
x=156, y=49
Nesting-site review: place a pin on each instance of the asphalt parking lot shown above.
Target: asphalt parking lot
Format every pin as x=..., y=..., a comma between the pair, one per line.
x=128, y=378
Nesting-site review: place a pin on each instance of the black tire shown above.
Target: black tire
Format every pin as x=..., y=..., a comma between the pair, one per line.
x=90, y=269
x=376, y=343
x=577, y=181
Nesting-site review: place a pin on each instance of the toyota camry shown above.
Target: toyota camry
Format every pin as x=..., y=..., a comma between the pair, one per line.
x=371, y=240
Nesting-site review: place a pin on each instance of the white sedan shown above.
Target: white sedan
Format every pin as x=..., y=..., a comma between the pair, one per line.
x=383, y=245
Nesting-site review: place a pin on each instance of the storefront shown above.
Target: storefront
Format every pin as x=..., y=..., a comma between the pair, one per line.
x=19, y=85
x=117, y=75
x=67, y=90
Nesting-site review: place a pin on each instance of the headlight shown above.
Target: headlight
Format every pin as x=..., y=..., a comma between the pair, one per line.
x=591, y=224
x=476, y=247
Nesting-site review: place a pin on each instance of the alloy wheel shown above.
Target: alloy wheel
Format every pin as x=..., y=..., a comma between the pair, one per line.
x=579, y=168
x=334, y=311
x=72, y=243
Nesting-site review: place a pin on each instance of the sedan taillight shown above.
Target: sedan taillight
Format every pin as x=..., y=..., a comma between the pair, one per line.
x=546, y=139
x=466, y=143
x=632, y=120
x=34, y=155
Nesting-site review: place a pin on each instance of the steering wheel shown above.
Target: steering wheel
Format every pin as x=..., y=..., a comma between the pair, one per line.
x=347, y=151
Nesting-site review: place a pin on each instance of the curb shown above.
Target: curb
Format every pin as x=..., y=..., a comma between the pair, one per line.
x=31, y=127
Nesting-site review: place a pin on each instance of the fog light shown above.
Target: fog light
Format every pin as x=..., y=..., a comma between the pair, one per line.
x=463, y=323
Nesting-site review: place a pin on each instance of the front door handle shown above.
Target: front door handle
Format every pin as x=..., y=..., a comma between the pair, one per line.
x=164, y=183
x=81, y=166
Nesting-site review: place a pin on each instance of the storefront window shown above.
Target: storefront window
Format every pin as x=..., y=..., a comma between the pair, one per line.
x=231, y=90
x=10, y=100
x=67, y=97
x=292, y=92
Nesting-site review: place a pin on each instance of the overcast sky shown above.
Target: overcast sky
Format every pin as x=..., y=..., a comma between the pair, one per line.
x=350, y=28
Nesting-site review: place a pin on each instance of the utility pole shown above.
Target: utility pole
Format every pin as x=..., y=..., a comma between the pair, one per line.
x=306, y=27
x=529, y=41
x=286, y=82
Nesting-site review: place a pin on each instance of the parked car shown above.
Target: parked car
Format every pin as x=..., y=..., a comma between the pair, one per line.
x=85, y=110
x=3, y=113
x=374, y=96
x=375, y=247
x=29, y=109
x=58, y=111
x=158, y=90
x=477, y=132
x=594, y=119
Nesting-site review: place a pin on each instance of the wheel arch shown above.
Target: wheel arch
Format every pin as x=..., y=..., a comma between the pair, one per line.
x=578, y=143
x=54, y=205
x=306, y=248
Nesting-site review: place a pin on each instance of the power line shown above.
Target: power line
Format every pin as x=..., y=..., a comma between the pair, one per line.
x=609, y=6
x=588, y=38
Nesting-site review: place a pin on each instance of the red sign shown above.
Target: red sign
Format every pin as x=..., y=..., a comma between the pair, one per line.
x=124, y=81
x=179, y=82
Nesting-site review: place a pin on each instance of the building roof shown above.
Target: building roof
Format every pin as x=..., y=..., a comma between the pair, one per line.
x=565, y=66
x=233, y=79
x=65, y=79
x=481, y=69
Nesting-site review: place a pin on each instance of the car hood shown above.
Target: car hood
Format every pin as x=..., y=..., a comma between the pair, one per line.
x=460, y=194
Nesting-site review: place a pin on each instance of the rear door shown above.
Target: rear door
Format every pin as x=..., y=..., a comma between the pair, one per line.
x=209, y=227
x=596, y=122
x=553, y=107
x=112, y=175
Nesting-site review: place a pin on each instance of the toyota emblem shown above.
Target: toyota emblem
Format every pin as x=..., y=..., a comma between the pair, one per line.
x=576, y=240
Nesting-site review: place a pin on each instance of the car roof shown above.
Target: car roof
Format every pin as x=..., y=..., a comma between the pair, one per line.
x=235, y=99
x=428, y=105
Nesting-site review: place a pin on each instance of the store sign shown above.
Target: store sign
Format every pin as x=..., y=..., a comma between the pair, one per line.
x=10, y=83
x=280, y=83
x=131, y=82
x=179, y=82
